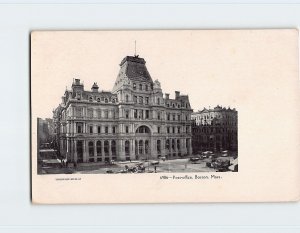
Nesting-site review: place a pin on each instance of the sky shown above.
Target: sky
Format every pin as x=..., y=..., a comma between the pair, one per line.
x=214, y=67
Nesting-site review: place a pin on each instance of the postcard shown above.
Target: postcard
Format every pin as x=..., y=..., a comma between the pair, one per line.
x=165, y=116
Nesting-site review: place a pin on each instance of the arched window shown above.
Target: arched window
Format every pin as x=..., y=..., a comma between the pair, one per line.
x=91, y=151
x=168, y=144
x=91, y=99
x=178, y=144
x=127, y=148
x=98, y=99
x=106, y=148
x=146, y=146
x=158, y=146
x=143, y=129
x=99, y=149
x=140, y=147
x=136, y=147
x=113, y=147
x=106, y=100
x=173, y=144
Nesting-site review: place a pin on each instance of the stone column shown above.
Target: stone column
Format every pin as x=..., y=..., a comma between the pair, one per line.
x=75, y=151
x=132, y=149
x=95, y=151
x=102, y=151
x=85, y=151
x=121, y=146
x=109, y=150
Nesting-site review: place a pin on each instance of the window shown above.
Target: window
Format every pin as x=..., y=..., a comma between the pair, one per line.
x=134, y=86
x=135, y=113
x=114, y=129
x=99, y=113
x=168, y=116
x=106, y=114
x=140, y=100
x=126, y=98
x=146, y=87
x=179, y=117
x=158, y=101
x=147, y=114
x=90, y=113
x=90, y=98
x=98, y=99
x=106, y=100
x=126, y=129
x=106, y=129
x=79, y=128
x=126, y=114
x=79, y=112
x=178, y=129
x=135, y=99
x=147, y=100
x=168, y=129
x=174, y=117
x=158, y=129
x=99, y=129
x=173, y=129
x=141, y=87
x=91, y=129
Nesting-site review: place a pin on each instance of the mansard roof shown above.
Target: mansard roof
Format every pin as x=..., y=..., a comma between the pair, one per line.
x=134, y=68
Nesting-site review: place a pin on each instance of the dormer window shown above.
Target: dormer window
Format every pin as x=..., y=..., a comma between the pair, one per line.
x=98, y=99
x=106, y=100
x=113, y=100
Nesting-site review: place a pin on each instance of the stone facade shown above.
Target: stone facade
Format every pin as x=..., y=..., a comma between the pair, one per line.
x=214, y=130
x=132, y=122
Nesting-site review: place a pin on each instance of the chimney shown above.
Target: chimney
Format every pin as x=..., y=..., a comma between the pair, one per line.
x=177, y=94
x=167, y=95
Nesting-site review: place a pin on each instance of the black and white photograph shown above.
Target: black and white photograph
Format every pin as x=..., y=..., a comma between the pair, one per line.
x=136, y=125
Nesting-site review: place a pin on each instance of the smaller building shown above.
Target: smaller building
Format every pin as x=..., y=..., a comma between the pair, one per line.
x=214, y=130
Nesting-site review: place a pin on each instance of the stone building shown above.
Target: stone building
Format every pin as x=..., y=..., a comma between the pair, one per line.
x=214, y=130
x=134, y=121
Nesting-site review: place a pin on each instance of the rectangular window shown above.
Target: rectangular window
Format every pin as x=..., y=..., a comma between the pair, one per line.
x=147, y=100
x=158, y=129
x=99, y=129
x=114, y=129
x=79, y=128
x=168, y=116
x=99, y=114
x=173, y=129
x=91, y=129
x=174, y=117
x=126, y=114
x=106, y=129
x=178, y=129
x=135, y=113
x=158, y=115
x=135, y=99
x=106, y=114
x=147, y=114
x=179, y=117
x=140, y=100
x=168, y=129
x=127, y=129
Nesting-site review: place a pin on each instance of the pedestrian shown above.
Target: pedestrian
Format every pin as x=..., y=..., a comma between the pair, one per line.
x=155, y=169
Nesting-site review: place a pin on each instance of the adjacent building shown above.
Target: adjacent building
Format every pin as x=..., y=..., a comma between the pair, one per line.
x=215, y=130
x=134, y=121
